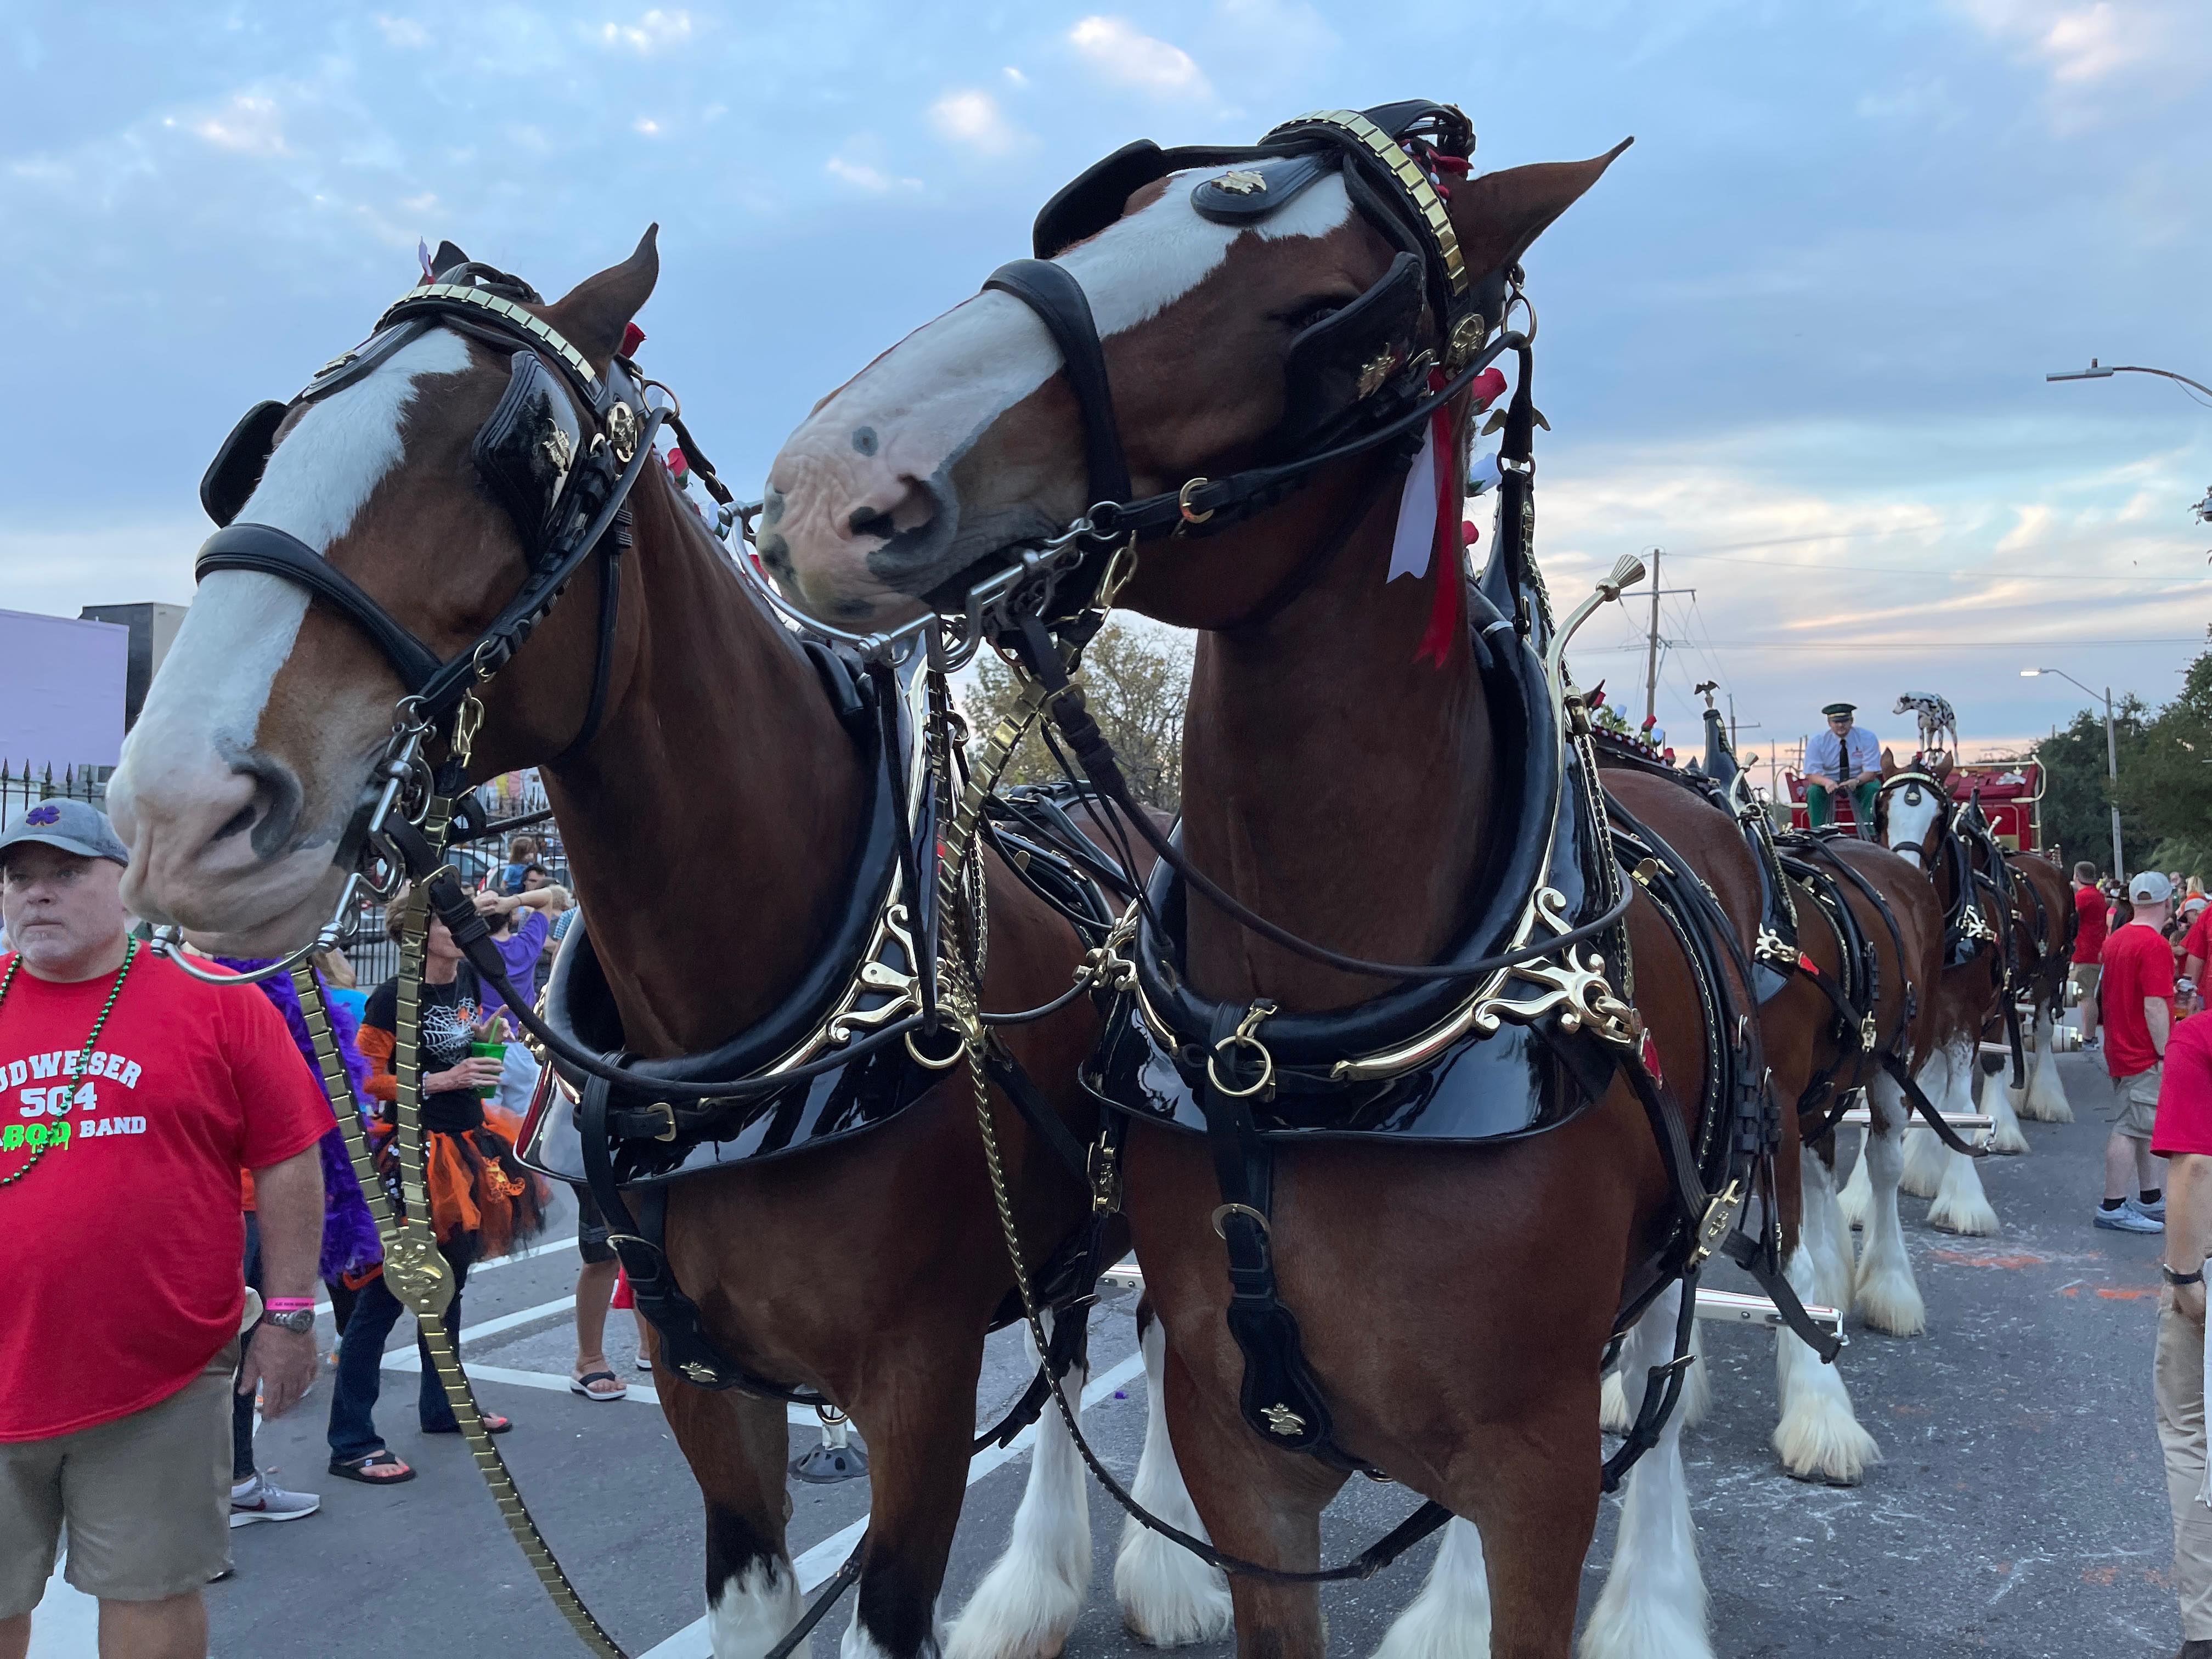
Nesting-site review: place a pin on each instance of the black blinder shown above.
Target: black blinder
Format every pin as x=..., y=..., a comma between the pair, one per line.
x=525, y=451
x=1246, y=195
x=1095, y=198
x=231, y=477
x=1338, y=362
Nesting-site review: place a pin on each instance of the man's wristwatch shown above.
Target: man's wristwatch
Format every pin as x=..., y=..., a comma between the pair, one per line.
x=299, y=1320
x=2173, y=1278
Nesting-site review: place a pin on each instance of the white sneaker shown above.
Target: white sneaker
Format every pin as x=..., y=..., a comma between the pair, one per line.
x=2128, y=1220
x=258, y=1500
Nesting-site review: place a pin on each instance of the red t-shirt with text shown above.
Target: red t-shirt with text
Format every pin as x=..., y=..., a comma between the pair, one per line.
x=2094, y=911
x=2184, y=1092
x=2138, y=963
x=124, y=1244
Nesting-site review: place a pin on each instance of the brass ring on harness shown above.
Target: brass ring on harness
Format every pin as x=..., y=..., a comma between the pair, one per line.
x=1244, y=1210
x=1182, y=502
x=1266, y=1082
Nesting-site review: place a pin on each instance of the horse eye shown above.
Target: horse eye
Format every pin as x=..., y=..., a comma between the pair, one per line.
x=1307, y=313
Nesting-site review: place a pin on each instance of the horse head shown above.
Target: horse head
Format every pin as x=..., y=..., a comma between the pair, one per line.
x=1911, y=807
x=965, y=439
x=251, y=760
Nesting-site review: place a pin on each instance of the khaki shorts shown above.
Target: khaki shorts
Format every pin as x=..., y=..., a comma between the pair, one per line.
x=2083, y=976
x=147, y=1498
x=2135, y=1102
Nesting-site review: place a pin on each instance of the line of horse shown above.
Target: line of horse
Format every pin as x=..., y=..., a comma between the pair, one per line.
x=1345, y=772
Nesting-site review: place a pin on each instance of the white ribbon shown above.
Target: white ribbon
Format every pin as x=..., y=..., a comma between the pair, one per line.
x=1415, y=542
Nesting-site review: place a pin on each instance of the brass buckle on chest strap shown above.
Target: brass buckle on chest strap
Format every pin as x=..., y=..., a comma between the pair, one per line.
x=1720, y=1215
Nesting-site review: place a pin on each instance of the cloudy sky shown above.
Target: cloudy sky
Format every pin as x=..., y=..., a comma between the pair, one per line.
x=1796, y=337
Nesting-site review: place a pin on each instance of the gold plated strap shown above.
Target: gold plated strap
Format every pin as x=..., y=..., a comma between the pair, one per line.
x=507, y=310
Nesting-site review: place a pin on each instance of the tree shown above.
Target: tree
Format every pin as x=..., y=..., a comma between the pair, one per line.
x=2078, y=812
x=1136, y=678
x=2166, y=783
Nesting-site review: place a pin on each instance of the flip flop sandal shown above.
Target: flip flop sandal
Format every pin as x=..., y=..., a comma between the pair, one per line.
x=492, y=1423
x=583, y=1385
x=357, y=1468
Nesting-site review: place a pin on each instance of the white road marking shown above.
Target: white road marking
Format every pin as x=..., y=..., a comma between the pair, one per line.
x=817, y=1564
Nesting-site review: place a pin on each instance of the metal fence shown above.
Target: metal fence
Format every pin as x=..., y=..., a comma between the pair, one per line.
x=26, y=784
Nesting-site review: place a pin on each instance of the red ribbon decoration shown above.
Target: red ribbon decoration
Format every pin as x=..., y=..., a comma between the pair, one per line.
x=1447, y=551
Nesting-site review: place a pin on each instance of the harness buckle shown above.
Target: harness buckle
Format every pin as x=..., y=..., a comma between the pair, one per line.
x=1772, y=947
x=1105, y=1179
x=1243, y=1037
x=1182, y=502
x=667, y=1115
x=1720, y=1215
x=1870, y=1032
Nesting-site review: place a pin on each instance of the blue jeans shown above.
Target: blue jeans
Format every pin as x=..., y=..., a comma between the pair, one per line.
x=360, y=1363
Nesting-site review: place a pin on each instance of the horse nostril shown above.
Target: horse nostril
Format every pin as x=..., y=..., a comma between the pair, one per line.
x=869, y=521
x=237, y=825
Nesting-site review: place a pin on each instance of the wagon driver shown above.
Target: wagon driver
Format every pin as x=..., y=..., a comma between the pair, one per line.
x=1844, y=759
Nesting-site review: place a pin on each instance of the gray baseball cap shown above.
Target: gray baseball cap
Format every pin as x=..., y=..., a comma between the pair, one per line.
x=2148, y=887
x=75, y=826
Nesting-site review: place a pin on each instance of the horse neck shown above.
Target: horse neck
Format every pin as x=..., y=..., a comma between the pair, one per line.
x=709, y=823
x=1333, y=783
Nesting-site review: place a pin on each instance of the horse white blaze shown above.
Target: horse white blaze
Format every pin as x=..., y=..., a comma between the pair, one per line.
x=1912, y=812
x=751, y=1612
x=1169, y=1596
x=181, y=781
x=1030, y=1599
x=877, y=457
x=1653, y=1605
x=1450, y=1618
x=1888, y=1297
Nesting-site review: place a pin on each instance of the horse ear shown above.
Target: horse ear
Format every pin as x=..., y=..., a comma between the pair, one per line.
x=444, y=259
x=1497, y=214
x=594, y=313
x=1889, y=764
x=1940, y=766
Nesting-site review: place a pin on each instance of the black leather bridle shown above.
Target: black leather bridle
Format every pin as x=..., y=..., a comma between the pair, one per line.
x=568, y=491
x=1359, y=379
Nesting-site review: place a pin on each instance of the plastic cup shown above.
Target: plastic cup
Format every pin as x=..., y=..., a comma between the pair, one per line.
x=488, y=1051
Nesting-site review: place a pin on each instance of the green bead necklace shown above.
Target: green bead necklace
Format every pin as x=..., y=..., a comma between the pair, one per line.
x=84, y=1057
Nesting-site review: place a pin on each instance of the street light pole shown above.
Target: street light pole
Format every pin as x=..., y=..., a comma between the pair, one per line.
x=2112, y=754
x=2098, y=371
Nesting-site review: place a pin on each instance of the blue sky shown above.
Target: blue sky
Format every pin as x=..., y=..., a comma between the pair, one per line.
x=1796, y=336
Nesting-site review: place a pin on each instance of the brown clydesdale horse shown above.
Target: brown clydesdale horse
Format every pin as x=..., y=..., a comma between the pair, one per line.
x=2045, y=923
x=1454, y=1300
x=1914, y=817
x=709, y=824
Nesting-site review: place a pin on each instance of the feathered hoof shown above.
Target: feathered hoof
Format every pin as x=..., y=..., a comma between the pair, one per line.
x=1822, y=1443
x=1168, y=1597
x=1642, y=1628
x=2045, y=1111
x=1450, y=1618
x=1890, y=1303
x=2007, y=1141
x=1964, y=1214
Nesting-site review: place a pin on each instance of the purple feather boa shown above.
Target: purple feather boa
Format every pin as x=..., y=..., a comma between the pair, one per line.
x=349, y=1242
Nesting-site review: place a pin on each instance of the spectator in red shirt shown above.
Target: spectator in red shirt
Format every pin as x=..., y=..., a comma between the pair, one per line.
x=2197, y=948
x=2133, y=995
x=133, y=1096
x=2183, y=1135
x=2094, y=922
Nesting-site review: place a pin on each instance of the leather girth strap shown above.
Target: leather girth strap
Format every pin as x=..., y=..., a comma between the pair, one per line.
x=639, y=1241
x=1280, y=1397
x=1919, y=1101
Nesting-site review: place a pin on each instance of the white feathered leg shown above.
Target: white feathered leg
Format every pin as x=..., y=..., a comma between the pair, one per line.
x=1886, y=1297
x=1922, y=1172
x=1450, y=1618
x=1819, y=1437
x=1961, y=1206
x=2046, y=1101
x=1824, y=1233
x=1697, y=1401
x=2005, y=1138
x=1027, y=1603
x=1169, y=1596
x=1653, y=1606
x=751, y=1611
x=1612, y=1403
x=1853, y=1201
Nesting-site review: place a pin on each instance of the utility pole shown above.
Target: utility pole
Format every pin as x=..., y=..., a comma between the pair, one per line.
x=1651, y=658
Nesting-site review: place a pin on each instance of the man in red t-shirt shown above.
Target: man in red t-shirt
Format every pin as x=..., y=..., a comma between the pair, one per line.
x=2093, y=920
x=2134, y=997
x=2197, y=951
x=130, y=1096
x=2183, y=1136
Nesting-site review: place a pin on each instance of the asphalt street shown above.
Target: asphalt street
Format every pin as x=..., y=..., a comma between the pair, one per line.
x=2020, y=1510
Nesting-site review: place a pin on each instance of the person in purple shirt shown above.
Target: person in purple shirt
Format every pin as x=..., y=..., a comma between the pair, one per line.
x=519, y=923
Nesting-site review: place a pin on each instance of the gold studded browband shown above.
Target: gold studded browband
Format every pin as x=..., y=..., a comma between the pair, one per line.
x=444, y=295
x=1411, y=177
